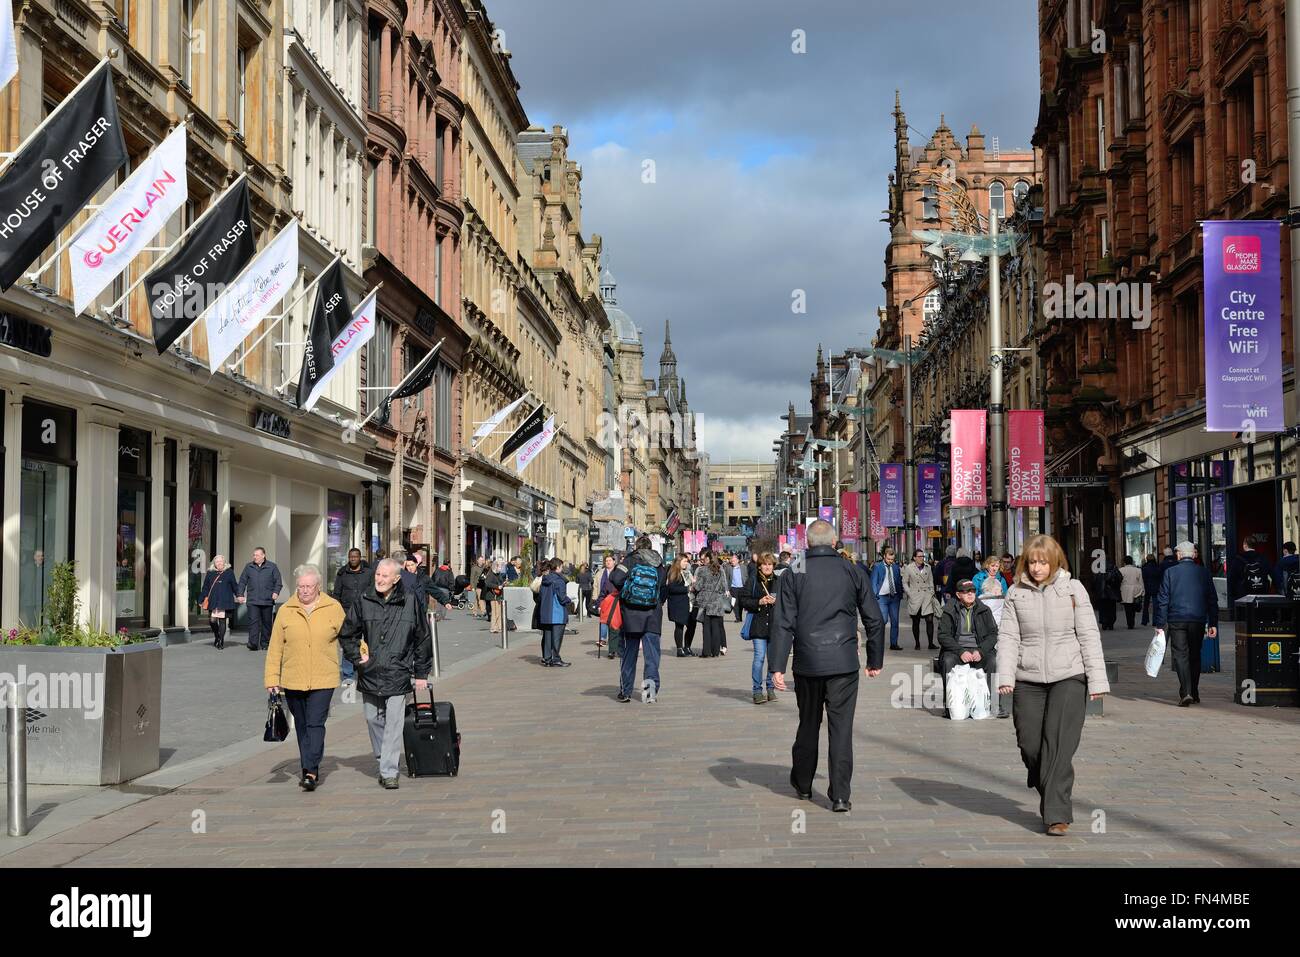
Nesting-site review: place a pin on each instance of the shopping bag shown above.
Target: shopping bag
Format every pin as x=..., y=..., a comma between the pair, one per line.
x=277, y=723
x=980, y=704
x=1155, y=654
x=958, y=693
x=744, y=629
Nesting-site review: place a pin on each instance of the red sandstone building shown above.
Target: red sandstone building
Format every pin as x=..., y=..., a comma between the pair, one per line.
x=413, y=116
x=1141, y=142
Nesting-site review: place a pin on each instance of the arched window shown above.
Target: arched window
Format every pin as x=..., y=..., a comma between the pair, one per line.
x=930, y=306
x=930, y=203
x=1019, y=192
x=998, y=199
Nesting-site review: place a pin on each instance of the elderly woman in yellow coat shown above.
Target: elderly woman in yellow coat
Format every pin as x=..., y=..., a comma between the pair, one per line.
x=303, y=662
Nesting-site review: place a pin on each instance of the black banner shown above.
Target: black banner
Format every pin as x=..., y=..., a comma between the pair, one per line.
x=59, y=170
x=532, y=426
x=329, y=317
x=422, y=378
x=211, y=257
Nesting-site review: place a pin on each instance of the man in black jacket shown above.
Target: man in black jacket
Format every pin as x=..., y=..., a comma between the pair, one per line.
x=351, y=581
x=817, y=614
x=968, y=635
x=642, y=622
x=391, y=621
x=259, y=588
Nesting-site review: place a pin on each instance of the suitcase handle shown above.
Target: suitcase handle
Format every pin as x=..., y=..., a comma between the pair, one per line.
x=424, y=713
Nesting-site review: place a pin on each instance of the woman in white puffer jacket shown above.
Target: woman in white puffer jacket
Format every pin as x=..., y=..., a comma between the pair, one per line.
x=1049, y=653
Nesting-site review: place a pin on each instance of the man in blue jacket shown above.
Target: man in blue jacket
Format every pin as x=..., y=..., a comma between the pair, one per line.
x=639, y=579
x=259, y=588
x=887, y=586
x=553, y=607
x=1187, y=603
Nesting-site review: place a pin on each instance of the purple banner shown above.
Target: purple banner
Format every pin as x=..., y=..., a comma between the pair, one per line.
x=891, y=494
x=1221, y=472
x=826, y=513
x=1243, y=325
x=930, y=495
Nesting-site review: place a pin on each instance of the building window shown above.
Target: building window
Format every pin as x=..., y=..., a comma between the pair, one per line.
x=201, y=535
x=1105, y=237
x=372, y=202
x=440, y=152
x=241, y=79
x=1019, y=192
x=189, y=10
x=46, y=504
x=169, y=515
x=379, y=368
x=442, y=407
x=929, y=202
x=1121, y=96
x=998, y=199
x=134, y=457
x=376, y=62
x=1101, y=133
x=437, y=271
x=1134, y=77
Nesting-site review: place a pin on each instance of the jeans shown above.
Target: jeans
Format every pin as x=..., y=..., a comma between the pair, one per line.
x=632, y=642
x=756, y=672
x=889, y=611
x=385, y=718
x=259, y=625
x=309, y=710
x=347, y=670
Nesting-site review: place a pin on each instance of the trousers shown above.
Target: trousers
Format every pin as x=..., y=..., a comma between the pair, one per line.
x=1185, y=638
x=309, y=710
x=385, y=718
x=552, y=638
x=837, y=696
x=632, y=644
x=1049, y=724
x=929, y=629
x=259, y=625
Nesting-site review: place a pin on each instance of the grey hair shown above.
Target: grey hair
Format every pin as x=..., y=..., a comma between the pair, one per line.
x=1186, y=548
x=399, y=555
x=392, y=564
x=963, y=553
x=821, y=533
x=306, y=571
x=213, y=563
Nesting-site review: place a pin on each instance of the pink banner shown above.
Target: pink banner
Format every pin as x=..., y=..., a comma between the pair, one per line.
x=878, y=531
x=1025, y=449
x=852, y=520
x=801, y=537
x=780, y=543
x=968, y=458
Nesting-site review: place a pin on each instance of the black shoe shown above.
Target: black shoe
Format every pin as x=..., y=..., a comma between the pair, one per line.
x=308, y=782
x=918, y=647
x=624, y=698
x=1186, y=701
x=559, y=663
x=1004, y=714
x=1196, y=699
x=252, y=647
x=803, y=795
x=610, y=655
x=546, y=662
x=895, y=648
x=842, y=806
x=681, y=653
x=933, y=647
x=690, y=652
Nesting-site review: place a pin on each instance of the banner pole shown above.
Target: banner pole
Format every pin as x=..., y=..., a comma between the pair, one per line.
x=409, y=375
x=55, y=112
x=288, y=309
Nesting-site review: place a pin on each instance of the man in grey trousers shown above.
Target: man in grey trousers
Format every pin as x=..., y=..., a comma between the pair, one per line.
x=393, y=623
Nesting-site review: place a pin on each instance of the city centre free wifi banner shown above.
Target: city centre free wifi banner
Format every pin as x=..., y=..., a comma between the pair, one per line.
x=1243, y=325
x=61, y=167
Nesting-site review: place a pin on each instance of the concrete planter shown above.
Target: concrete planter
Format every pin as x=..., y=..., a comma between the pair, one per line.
x=519, y=606
x=93, y=714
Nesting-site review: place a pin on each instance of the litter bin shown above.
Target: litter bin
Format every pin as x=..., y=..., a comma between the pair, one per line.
x=1268, y=669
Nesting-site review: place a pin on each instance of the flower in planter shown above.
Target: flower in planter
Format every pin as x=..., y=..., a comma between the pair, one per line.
x=123, y=632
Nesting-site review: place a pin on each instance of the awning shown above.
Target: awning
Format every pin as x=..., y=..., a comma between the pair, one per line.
x=1058, y=464
x=476, y=513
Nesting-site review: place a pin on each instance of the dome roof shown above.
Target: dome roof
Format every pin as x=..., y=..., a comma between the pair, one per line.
x=624, y=329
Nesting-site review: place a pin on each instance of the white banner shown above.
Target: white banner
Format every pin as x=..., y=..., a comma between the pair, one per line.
x=352, y=338
x=487, y=427
x=130, y=219
x=8, y=45
x=533, y=447
x=248, y=300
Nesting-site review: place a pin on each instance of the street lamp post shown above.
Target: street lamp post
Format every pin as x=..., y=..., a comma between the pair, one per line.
x=909, y=478
x=997, y=413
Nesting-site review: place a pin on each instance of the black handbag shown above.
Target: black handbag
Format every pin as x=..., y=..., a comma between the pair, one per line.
x=277, y=722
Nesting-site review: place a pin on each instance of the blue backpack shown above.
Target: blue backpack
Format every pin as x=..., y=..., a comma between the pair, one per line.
x=641, y=587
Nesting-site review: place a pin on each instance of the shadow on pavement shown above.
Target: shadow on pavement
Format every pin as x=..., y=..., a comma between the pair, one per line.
x=932, y=793
x=774, y=777
x=603, y=691
x=735, y=694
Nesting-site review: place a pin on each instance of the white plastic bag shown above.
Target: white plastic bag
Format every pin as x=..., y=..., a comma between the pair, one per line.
x=980, y=707
x=1156, y=654
x=959, y=694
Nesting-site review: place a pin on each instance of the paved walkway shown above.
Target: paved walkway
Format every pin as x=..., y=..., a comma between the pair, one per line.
x=555, y=772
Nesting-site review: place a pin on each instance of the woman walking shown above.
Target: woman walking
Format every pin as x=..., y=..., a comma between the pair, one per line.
x=712, y=602
x=218, y=597
x=1049, y=654
x=677, y=600
x=583, y=578
x=759, y=599
x=608, y=634
x=303, y=661
x=918, y=592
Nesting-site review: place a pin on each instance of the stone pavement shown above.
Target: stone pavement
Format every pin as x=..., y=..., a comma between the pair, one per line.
x=555, y=772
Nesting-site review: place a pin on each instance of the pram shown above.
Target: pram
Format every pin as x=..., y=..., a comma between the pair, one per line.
x=463, y=597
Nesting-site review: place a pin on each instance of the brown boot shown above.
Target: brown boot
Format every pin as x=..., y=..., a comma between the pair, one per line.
x=1057, y=830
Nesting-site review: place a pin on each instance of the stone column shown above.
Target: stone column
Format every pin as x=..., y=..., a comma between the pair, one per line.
x=222, y=542
x=181, y=573
x=96, y=517
x=13, y=475
x=158, y=530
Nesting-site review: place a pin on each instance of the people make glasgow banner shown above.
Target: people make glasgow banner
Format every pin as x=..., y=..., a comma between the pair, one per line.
x=214, y=252
x=968, y=458
x=1243, y=325
x=1025, y=450
x=129, y=220
x=58, y=170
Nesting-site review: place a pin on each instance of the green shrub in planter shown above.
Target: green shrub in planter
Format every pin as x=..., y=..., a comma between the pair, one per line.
x=61, y=628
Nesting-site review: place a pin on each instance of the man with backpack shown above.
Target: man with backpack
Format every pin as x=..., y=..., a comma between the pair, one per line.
x=1249, y=573
x=639, y=579
x=1289, y=564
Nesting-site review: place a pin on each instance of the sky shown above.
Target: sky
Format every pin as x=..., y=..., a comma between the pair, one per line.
x=769, y=166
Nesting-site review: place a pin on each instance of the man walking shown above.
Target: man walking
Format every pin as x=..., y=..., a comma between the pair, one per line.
x=386, y=637
x=738, y=581
x=816, y=616
x=639, y=579
x=887, y=586
x=259, y=589
x=350, y=582
x=1187, y=602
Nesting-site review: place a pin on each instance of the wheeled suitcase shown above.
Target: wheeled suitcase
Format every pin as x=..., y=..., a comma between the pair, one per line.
x=430, y=738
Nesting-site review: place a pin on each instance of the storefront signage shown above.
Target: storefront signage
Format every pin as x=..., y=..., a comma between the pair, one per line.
x=25, y=335
x=264, y=420
x=1243, y=325
x=1062, y=481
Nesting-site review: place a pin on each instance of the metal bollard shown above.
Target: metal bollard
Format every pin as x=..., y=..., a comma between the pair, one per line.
x=505, y=625
x=17, y=750
x=433, y=634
